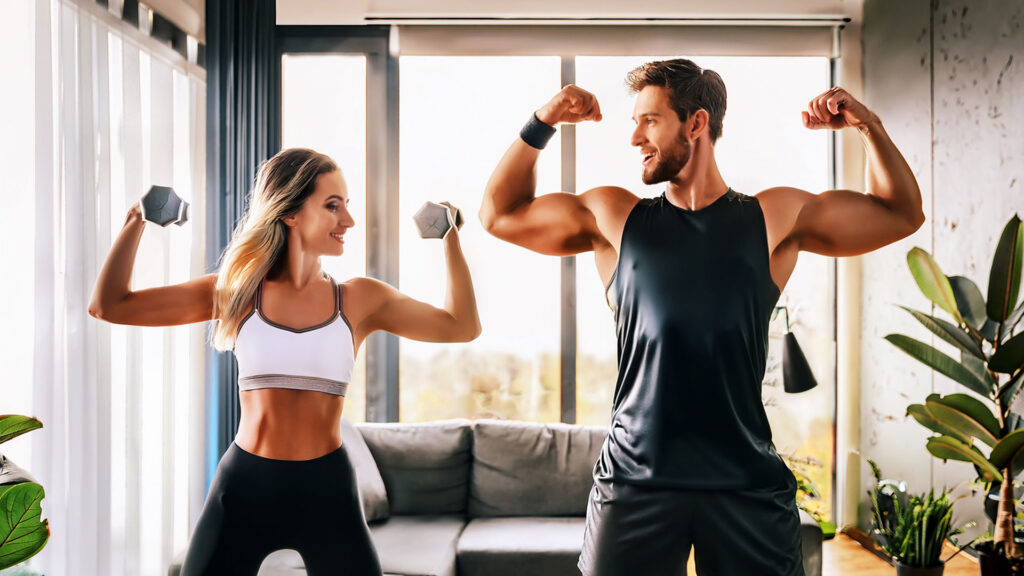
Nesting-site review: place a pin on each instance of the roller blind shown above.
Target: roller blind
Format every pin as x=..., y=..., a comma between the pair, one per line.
x=717, y=39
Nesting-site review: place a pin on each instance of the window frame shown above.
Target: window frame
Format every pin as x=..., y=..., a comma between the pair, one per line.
x=380, y=44
x=381, y=177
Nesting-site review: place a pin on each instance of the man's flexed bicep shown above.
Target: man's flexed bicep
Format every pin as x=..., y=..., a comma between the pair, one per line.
x=558, y=223
x=845, y=222
x=835, y=222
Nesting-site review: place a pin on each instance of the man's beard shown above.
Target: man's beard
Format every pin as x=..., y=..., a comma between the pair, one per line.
x=671, y=164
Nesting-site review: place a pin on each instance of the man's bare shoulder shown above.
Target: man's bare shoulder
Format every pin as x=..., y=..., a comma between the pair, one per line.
x=780, y=200
x=609, y=199
x=610, y=207
x=781, y=194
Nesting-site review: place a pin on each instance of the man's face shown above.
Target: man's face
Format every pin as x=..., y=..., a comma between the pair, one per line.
x=660, y=136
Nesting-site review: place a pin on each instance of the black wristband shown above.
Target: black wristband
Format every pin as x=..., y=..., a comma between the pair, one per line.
x=536, y=133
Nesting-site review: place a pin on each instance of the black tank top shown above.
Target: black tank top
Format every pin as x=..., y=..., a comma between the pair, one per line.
x=692, y=296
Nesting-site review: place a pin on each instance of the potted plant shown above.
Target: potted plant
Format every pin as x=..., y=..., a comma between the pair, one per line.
x=910, y=528
x=23, y=532
x=977, y=427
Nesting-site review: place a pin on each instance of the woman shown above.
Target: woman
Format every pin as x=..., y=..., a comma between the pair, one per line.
x=286, y=481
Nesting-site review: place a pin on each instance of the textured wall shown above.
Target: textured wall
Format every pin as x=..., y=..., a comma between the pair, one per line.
x=947, y=81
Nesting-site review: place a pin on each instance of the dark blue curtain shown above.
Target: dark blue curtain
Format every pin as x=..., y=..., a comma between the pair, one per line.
x=241, y=131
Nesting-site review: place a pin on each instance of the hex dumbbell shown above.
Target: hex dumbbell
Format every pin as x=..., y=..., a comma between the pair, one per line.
x=161, y=205
x=436, y=220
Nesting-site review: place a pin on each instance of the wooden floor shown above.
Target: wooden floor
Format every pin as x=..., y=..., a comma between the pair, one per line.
x=844, y=556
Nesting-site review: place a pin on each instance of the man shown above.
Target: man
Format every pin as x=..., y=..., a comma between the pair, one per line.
x=692, y=277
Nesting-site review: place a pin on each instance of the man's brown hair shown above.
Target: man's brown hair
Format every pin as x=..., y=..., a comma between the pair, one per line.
x=690, y=88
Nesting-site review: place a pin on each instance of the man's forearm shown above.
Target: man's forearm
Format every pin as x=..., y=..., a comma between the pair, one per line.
x=890, y=178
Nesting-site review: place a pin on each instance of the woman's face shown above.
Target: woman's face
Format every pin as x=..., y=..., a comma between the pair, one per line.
x=321, y=223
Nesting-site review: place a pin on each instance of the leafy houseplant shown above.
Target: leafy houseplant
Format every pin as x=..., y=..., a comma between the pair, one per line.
x=985, y=336
x=23, y=533
x=911, y=529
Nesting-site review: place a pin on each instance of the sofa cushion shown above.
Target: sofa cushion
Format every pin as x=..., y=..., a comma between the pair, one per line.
x=425, y=467
x=372, y=492
x=810, y=534
x=521, y=546
x=527, y=469
x=418, y=545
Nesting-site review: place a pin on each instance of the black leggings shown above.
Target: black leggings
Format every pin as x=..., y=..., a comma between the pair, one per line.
x=258, y=505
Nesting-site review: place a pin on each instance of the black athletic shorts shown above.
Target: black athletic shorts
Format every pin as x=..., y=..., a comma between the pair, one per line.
x=642, y=531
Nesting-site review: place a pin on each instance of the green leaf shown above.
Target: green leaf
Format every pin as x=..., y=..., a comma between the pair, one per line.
x=924, y=417
x=1011, y=322
x=1009, y=450
x=932, y=282
x=940, y=363
x=23, y=532
x=989, y=330
x=969, y=300
x=948, y=448
x=874, y=469
x=1009, y=357
x=1009, y=390
x=12, y=425
x=1004, y=279
x=966, y=414
x=977, y=367
x=1011, y=422
x=948, y=332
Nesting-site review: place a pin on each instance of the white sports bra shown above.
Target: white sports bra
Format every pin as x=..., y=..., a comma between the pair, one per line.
x=318, y=358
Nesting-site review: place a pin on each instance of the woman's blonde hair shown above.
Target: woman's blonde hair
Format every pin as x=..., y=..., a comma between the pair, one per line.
x=282, y=185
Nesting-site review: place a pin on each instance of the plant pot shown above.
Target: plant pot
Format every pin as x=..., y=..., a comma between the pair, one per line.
x=21, y=570
x=11, y=473
x=904, y=570
x=993, y=563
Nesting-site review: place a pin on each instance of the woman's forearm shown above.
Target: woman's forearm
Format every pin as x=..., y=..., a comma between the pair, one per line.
x=460, y=300
x=114, y=280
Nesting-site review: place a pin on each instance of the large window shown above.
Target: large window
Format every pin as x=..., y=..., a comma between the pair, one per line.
x=98, y=112
x=17, y=118
x=323, y=100
x=763, y=144
x=548, y=350
x=458, y=115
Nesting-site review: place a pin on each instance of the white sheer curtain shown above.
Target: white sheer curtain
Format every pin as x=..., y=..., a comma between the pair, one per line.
x=121, y=452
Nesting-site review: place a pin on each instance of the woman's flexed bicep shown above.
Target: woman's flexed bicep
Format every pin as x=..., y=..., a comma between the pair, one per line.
x=113, y=299
x=184, y=303
x=376, y=305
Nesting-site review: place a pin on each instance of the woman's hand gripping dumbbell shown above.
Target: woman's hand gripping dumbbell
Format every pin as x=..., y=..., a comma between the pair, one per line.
x=436, y=220
x=161, y=205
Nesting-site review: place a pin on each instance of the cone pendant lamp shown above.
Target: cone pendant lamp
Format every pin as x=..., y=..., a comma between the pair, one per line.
x=796, y=371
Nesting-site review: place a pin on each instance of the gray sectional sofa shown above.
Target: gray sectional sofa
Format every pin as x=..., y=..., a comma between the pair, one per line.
x=483, y=498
